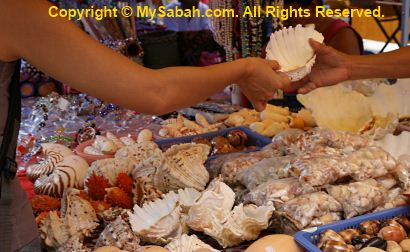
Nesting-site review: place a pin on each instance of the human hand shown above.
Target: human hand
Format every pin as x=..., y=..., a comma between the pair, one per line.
x=329, y=69
x=260, y=81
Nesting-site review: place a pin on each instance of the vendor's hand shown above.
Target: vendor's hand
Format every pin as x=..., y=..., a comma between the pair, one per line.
x=329, y=69
x=260, y=81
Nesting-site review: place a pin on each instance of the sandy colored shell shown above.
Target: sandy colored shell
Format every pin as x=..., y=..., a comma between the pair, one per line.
x=68, y=173
x=244, y=223
x=217, y=201
x=118, y=143
x=105, y=145
x=110, y=168
x=290, y=47
x=119, y=234
x=56, y=148
x=188, y=243
x=144, y=136
x=158, y=222
x=74, y=244
x=54, y=231
x=396, y=145
x=139, y=151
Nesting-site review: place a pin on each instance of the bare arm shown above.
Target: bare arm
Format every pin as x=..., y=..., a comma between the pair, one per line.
x=63, y=51
x=345, y=41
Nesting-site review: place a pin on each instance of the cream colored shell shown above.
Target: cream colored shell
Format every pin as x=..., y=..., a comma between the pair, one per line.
x=186, y=243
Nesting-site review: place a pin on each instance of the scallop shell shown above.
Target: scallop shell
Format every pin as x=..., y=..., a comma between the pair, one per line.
x=396, y=145
x=180, y=166
x=391, y=99
x=68, y=173
x=290, y=47
x=139, y=151
x=119, y=234
x=187, y=243
x=244, y=223
x=158, y=222
x=54, y=231
x=217, y=200
x=109, y=168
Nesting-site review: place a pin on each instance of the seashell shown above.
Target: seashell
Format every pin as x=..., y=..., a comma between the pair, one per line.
x=237, y=138
x=370, y=227
x=119, y=234
x=376, y=242
x=107, y=146
x=330, y=235
x=405, y=245
x=47, y=148
x=144, y=135
x=391, y=99
x=45, y=167
x=379, y=127
x=393, y=233
x=127, y=141
x=404, y=222
x=187, y=243
x=74, y=244
x=221, y=146
x=201, y=140
x=217, y=201
x=396, y=145
x=188, y=197
x=163, y=132
x=336, y=246
x=201, y=120
x=139, y=151
x=244, y=223
x=118, y=197
x=115, y=139
x=393, y=246
x=68, y=173
x=54, y=231
x=158, y=222
x=359, y=240
x=143, y=191
x=181, y=166
x=110, y=249
x=290, y=47
x=348, y=234
x=109, y=168
x=93, y=151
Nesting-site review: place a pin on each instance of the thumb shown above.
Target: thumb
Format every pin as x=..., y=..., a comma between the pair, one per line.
x=273, y=64
x=259, y=105
x=318, y=47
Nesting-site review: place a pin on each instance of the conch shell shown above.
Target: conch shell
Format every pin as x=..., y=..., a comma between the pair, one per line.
x=290, y=47
x=187, y=243
x=217, y=200
x=68, y=173
x=54, y=231
x=158, y=222
x=244, y=223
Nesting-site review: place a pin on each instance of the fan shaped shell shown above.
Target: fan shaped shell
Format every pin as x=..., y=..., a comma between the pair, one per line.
x=290, y=47
x=396, y=145
x=187, y=243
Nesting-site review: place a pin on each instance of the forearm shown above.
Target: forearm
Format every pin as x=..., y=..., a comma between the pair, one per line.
x=395, y=64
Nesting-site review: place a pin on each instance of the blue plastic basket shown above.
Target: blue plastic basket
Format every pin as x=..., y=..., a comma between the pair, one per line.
x=254, y=139
x=308, y=238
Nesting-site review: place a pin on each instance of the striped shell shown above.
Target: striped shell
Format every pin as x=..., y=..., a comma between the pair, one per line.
x=187, y=243
x=68, y=173
x=119, y=234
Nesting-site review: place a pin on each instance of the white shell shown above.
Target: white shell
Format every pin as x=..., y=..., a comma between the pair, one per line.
x=139, y=151
x=109, y=168
x=115, y=139
x=107, y=146
x=392, y=99
x=144, y=135
x=291, y=48
x=244, y=223
x=127, y=141
x=187, y=243
x=396, y=145
x=188, y=196
x=68, y=173
x=93, y=151
x=119, y=234
x=47, y=166
x=158, y=222
x=217, y=200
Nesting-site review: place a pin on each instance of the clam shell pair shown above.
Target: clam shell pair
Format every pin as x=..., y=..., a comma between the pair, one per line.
x=290, y=47
x=68, y=173
x=161, y=221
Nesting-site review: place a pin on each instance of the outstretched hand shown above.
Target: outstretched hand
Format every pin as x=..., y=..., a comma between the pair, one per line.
x=329, y=69
x=260, y=81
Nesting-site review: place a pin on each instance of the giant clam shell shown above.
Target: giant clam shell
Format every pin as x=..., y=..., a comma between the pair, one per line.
x=290, y=47
x=187, y=243
x=158, y=222
x=244, y=223
x=217, y=200
x=109, y=168
x=68, y=173
x=119, y=234
x=139, y=151
x=396, y=145
x=180, y=166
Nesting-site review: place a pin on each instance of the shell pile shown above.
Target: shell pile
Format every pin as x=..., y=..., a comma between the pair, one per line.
x=291, y=49
x=186, y=243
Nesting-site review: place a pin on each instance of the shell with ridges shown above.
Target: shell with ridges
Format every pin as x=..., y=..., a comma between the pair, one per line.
x=187, y=243
x=68, y=173
x=244, y=223
x=52, y=147
x=290, y=47
x=47, y=166
x=217, y=200
x=158, y=222
x=54, y=231
x=109, y=168
x=139, y=151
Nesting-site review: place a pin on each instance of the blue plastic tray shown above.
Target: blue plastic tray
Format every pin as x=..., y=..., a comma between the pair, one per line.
x=254, y=139
x=308, y=238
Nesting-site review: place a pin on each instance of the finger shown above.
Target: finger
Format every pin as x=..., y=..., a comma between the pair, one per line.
x=273, y=64
x=318, y=47
x=259, y=105
x=294, y=86
x=307, y=88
